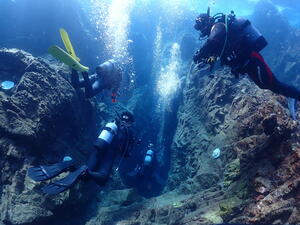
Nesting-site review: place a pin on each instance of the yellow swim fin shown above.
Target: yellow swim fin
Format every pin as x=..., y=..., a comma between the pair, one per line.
x=65, y=38
x=66, y=58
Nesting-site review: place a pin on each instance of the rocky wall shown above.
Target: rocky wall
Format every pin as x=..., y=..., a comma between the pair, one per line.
x=255, y=180
x=42, y=119
x=258, y=141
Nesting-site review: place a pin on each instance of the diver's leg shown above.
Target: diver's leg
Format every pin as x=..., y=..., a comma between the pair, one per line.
x=96, y=156
x=101, y=175
x=92, y=86
x=97, y=87
x=76, y=81
x=266, y=79
x=284, y=89
x=257, y=71
x=87, y=85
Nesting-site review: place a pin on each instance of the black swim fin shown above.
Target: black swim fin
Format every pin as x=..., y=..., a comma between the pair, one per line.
x=41, y=173
x=65, y=183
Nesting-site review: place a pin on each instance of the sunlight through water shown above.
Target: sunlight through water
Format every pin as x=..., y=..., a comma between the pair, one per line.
x=168, y=81
x=112, y=20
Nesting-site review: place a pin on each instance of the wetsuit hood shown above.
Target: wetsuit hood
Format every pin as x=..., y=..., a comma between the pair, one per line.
x=127, y=118
x=204, y=23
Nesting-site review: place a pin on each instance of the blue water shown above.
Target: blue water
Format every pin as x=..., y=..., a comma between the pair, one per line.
x=147, y=37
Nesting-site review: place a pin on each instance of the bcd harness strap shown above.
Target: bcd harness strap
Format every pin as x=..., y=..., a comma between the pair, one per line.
x=226, y=37
x=110, y=130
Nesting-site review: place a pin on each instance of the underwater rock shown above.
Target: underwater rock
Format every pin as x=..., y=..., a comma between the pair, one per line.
x=41, y=120
x=232, y=172
x=259, y=164
x=255, y=132
x=207, y=180
x=123, y=197
x=230, y=207
x=255, y=141
x=258, y=167
x=262, y=185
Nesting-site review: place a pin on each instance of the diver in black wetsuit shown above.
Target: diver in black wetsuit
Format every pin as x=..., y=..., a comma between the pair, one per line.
x=108, y=76
x=146, y=172
x=147, y=165
x=237, y=43
x=116, y=139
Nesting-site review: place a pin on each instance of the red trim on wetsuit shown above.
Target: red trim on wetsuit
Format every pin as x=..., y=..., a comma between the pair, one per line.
x=261, y=59
x=113, y=97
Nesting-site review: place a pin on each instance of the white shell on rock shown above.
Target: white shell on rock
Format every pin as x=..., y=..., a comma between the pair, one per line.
x=67, y=158
x=6, y=85
x=216, y=153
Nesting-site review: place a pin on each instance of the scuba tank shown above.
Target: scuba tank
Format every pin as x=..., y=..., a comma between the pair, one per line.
x=110, y=75
x=106, y=67
x=149, y=157
x=242, y=32
x=108, y=132
x=249, y=35
x=241, y=39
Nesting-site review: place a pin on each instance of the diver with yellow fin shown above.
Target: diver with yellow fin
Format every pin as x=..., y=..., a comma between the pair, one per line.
x=108, y=74
x=69, y=58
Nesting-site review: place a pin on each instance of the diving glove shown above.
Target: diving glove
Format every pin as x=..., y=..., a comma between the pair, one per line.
x=211, y=60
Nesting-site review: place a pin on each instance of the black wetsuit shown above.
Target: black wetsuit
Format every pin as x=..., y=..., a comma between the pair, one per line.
x=243, y=60
x=91, y=83
x=103, y=156
x=108, y=77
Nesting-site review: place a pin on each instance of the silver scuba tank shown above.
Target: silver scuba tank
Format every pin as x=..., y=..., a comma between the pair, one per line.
x=109, y=131
x=107, y=67
x=148, y=157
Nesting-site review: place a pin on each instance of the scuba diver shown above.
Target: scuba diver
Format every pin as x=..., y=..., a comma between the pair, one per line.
x=237, y=43
x=108, y=76
x=116, y=139
x=146, y=171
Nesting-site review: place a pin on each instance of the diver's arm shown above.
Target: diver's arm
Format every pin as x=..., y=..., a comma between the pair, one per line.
x=97, y=87
x=205, y=52
x=214, y=44
x=87, y=85
x=92, y=85
x=76, y=81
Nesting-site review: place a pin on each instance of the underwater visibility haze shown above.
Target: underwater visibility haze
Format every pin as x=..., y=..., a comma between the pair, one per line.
x=140, y=112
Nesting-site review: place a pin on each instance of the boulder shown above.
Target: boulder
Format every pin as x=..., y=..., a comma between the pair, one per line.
x=42, y=119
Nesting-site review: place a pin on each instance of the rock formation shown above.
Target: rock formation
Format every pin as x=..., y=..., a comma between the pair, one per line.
x=255, y=180
x=42, y=119
x=256, y=177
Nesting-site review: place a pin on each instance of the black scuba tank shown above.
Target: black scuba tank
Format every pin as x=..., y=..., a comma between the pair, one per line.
x=249, y=35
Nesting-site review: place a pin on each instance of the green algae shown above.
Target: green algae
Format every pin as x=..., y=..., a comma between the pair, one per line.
x=229, y=207
x=213, y=217
x=232, y=172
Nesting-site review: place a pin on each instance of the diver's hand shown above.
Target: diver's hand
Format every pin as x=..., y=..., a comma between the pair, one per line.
x=211, y=60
